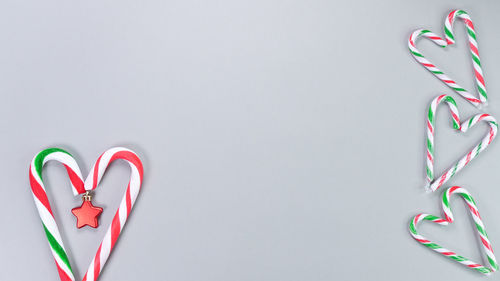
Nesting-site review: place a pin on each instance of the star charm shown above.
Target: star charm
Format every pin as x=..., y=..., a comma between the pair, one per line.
x=87, y=215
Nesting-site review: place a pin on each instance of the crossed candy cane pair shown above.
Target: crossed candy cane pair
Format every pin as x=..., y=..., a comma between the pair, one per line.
x=450, y=40
x=79, y=187
x=448, y=218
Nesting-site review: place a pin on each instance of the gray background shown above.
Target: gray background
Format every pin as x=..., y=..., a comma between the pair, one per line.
x=282, y=140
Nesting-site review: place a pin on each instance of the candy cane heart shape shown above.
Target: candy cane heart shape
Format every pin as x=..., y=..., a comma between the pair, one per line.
x=448, y=218
x=81, y=187
x=449, y=39
x=434, y=183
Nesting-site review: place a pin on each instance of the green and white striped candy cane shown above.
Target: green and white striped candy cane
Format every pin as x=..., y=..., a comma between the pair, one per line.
x=490, y=259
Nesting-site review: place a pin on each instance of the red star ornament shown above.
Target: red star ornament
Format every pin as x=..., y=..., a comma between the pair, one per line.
x=87, y=214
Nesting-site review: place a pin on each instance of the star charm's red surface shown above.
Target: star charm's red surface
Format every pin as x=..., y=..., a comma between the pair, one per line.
x=87, y=215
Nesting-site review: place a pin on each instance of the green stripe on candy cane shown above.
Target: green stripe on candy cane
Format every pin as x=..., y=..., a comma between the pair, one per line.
x=41, y=156
x=57, y=248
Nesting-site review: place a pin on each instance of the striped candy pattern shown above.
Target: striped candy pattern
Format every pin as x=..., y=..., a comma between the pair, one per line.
x=43, y=205
x=449, y=40
x=128, y=201
x=80, y=187
x=435, y=183
x=430, y=129
x=448, y=218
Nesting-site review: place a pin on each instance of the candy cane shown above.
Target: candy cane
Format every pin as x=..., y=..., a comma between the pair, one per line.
x=471, y=33
x=79, y=187
x=123, y=211
x=449, y=40
x=43, y=205
x=486, y=244
x=430, y=129
x=432, y=183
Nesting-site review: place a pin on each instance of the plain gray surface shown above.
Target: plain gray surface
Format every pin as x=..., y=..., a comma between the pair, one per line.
x=281, y=140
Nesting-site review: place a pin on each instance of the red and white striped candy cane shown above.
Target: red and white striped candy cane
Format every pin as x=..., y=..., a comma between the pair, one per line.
x=124, y=209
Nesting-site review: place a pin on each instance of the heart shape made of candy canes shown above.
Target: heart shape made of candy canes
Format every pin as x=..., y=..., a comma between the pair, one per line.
x=448, y=218
x=449, y=40
x=432, y=183
x=79, y=187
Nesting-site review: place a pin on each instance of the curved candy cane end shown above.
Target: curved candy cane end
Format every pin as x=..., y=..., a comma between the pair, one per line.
x=477, y=104
x=459, y=12
x=428, y=188
x=417, y=34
